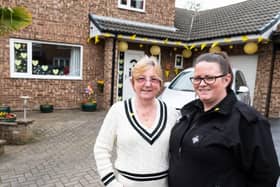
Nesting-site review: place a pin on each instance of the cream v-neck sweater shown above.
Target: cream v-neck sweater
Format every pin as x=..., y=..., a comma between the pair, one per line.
x=141, y=153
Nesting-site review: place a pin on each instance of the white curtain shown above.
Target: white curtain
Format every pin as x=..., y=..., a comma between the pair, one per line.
x=75, y=62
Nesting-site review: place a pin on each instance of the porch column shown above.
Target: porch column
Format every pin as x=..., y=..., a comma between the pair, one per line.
x=108, y=62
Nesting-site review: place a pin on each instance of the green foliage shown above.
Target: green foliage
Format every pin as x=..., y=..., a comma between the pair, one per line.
x=13, y=19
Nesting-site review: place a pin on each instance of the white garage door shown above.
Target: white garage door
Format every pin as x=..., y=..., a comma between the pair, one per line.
x=247, y=64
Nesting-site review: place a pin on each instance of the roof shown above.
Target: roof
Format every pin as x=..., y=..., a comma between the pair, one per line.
x=244, y=18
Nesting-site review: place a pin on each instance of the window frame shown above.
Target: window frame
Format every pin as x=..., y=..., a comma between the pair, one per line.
x=181, y=61
x=28, y=74
x=128, y=6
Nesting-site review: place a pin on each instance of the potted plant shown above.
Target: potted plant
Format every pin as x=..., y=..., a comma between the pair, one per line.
x=5, y=108
x=46, y=108
x=89, y=104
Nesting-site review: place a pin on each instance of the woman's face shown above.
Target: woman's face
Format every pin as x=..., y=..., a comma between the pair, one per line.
x=147, y=85
x=210, y=93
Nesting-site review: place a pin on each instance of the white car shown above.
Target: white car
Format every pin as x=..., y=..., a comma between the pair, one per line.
x=179, y=91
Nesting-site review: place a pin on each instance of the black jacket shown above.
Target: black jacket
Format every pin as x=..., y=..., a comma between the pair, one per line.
x=228, y=146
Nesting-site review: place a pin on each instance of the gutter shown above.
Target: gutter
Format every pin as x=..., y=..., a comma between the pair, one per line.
x=113, y=70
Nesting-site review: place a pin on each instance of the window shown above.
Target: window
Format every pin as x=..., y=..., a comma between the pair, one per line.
x=33, y=59
x=179, y=61
x=137, y=5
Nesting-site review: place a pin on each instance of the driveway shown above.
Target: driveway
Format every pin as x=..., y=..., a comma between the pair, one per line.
x=60, y=155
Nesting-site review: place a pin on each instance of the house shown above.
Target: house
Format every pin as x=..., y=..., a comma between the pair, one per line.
x=71, y=43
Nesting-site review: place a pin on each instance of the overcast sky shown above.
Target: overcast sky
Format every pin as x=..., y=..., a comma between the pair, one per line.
x=207, y=4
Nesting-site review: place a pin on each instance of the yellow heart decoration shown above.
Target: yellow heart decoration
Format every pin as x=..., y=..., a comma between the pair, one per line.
x=55, y=71
x=17, y=62
x=35, y=62
x=17, y=45
x=23, y=55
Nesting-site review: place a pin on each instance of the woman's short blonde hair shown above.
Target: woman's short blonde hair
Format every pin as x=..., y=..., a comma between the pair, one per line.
x=145, y=64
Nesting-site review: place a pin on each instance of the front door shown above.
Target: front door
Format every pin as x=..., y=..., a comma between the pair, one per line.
x=130, y=59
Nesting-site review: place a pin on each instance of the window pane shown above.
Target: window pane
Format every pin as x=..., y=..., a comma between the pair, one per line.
x=137, y=4
x=20, y=51
x=123, y=2
x=183, y=82
x=49, y=59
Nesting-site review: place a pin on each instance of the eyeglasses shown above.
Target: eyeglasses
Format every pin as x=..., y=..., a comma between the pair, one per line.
x=153, y=80
x=207, y=80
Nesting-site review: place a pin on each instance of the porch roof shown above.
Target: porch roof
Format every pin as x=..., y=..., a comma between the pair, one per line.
x=251, y=17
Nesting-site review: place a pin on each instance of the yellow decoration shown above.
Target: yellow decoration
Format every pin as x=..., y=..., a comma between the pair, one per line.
x=120, y=36
x=244, y=38
x=231, y=46
x=195, y=49
x=187, y=53
x=202, y=46
x=165, y=41
x=107, y=35
x=227, y=40
x=96, y=39
x=260, y=39
x=192, y=46
x=166, y=72
x=122, y=46
x=133, y=37
x=215, y=49
x=176, y=70
x=250, y=48
x=186, y=46
x=140, y=45
x=214, y=44
x=175, y=48
x=178, y=43
x=155, y=50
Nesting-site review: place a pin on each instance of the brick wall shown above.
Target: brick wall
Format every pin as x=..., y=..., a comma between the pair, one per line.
x=67, y=22
x=160, y=12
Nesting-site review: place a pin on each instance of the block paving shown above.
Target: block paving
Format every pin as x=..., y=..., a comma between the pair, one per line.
x=60, y=154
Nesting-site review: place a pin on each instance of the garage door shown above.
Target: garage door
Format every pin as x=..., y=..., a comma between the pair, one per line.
x=247, y=64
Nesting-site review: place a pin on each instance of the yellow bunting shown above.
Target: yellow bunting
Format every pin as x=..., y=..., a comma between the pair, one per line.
x=186, y=46
x=96, y=39
x=187, y=53
x=155, y=50
x=120, y=36
x=215, y=49
x=244, y=38
x=260, y=39
x=166, y=73
x=250, y=48
x=145, y=39
x=214, y=44
x=165, y=41
x=202, y=46
x=192, y=46
x=122, y=46
x=133, y=37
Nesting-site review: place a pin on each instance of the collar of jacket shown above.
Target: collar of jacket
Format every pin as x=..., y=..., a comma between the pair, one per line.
x=224, y=107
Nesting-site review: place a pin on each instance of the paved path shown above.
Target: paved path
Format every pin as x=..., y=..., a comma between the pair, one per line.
x=61, y=153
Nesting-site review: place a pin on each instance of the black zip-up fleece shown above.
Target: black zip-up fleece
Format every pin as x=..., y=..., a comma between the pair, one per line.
x=229, y=146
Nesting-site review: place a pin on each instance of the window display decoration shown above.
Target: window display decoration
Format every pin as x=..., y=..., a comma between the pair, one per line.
x=187, y=53
x=122, y=46
x=155, y=50
x=250, y=48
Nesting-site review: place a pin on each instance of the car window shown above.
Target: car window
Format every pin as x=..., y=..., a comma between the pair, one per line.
x=182, y=82
x=239, y=80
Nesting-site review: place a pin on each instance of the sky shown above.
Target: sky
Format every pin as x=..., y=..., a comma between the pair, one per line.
x=207, y=4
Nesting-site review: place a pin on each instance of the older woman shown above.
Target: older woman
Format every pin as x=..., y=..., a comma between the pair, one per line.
x=139, y=128
x=219, y=141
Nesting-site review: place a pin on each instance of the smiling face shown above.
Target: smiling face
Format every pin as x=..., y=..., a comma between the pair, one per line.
x=210, y=94
x=147, y=85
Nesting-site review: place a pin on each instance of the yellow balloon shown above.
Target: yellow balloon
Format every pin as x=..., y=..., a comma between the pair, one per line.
x=250, y=48
x=155, y=50
x=187, y=53
x=215, y=49
x=122, y=46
